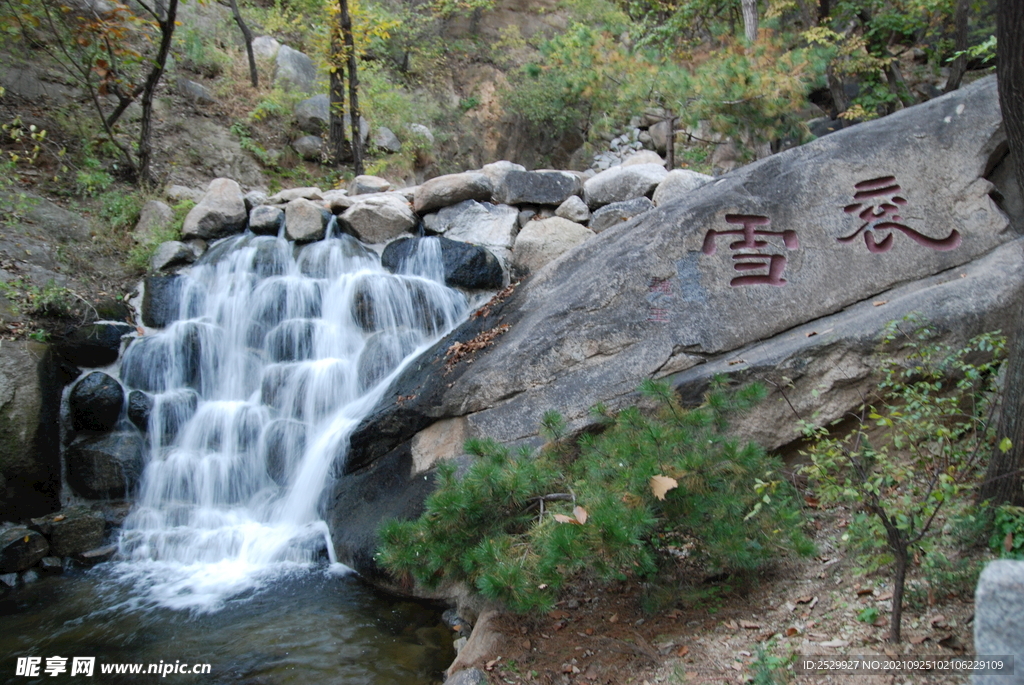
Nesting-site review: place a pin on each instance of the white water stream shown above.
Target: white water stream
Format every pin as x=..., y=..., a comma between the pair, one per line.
x=277, y=354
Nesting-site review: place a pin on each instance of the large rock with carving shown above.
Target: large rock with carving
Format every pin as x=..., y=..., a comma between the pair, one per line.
x=784, y=270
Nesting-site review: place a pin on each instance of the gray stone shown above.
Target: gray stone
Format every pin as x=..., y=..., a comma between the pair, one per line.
x=622, y=183
x=364, y=127
x=254, y=198
x=331, y=195
x=309, y=148
x=160, y=300
x=538, y=187
x=179, y=193
x=421, y=131
x=365, y=185
x=265, y=47
x=71, y=530
x=574, y=209
x=196, y=93
x=294, y=71
x=154, y=218
x=659, y=133
x=617, y=212
x=999, y=619
x=266, y=220
x=678, y=183
x=313, y=115
x=283, y=197
x=496, y=171
x=95, y=402
x=221, y=212
x=51, y=565
x=98, y=555
x=525, y=216
x=451, y=189
x=643, y=157
x=540, y=242
x=386, y=141
x=467, y=676
x=171, y=254
x=21, y=549
x=480, y=223
x=105, y=466
x=378, y=218
x=305, y=221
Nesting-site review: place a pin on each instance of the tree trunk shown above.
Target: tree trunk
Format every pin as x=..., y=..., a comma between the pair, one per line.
x=899, y=581
x=1003, y=482
x=959, y=65
x=353, y=88
x=750, y=19
x=247, y=35
x=337, y=140
x=670, y=148
x=167, y=25
x=824, y=10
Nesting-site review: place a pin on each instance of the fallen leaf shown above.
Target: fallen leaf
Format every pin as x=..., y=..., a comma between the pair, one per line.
x=918, y=639
x=731, y=625
x=749, y=625
x=813, y=603
x=734, y=362
x=60, y=517
x=736, y=666
x=492, y=663
x=880, y=622
x=675, y=613
x=1008, y=542
x=879, y=303
x=562, y=518
x=683, y=651
x=557, y=614
x=589, y=631
x=884, y=596
x=790, y=632
x=662, y=484
x=890, y=652
x=865, y=591
x=834, y=643
x=937, y=619
x=566, y=668
x=812, y=334
x=614, y=618
x=803, y=600
x=581, y=514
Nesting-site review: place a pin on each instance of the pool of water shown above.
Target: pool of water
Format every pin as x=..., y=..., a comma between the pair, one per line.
x=321, y=625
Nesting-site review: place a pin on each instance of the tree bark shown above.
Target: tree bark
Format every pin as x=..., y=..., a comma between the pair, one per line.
x=1003, y=482
x=353, y=87
x=247, y=35
x=337, y=140
x=749, y=8
x=166, y=20
x=959, y=65
x=670, y=148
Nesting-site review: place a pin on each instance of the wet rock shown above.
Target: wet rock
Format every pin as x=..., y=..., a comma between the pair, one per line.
x=378, y=218
x=96, y=402
x=20, y=549
x=574, y=209
x=283, y=440
x=154, y=218
x=538, y=187
x=51, y=565
x=71, y=530
x=221, y=212
x=171, y=254
x=175, y=407
x=386, y=141
x=364, y=185
x=266, y=220
x=383, y=353
x=305, y=221
x=678, y=183
x=309, y=147
x=96, y=344
x=98, y=555
x=105, y=466
x=622, y=183
x=140, y=404
x=451, y=189
x=617, y=212
x=294, y=71
x=158, y=363
x=465, y=266
x=539, y=242
x=161, y=300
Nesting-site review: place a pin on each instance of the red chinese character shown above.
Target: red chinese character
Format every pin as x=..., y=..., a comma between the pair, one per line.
x=752, y=260
x=883, y=216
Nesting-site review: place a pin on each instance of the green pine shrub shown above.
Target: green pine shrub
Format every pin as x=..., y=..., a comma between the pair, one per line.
x=519, y=526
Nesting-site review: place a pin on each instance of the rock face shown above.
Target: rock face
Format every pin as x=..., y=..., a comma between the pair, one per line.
x=105, y=466
x=999, y=618
x=221, y=212
x=294, y=71
x=677, y=183
x=617, y=212
x=537, y=187
x=465, y=266
x=72, y=530
x=451, y=189
x=800, y=307
x=622, y=183
x=542, y=241
x=96, y=402
x=379, y=218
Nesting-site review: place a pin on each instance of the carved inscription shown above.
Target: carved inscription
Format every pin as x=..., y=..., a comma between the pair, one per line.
x=878, y=206
x=659, y=293
x=753, y=251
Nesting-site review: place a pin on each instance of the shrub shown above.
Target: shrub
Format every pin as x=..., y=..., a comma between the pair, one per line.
x=519, y=526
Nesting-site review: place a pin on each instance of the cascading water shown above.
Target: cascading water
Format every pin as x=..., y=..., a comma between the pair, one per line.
x=277, y=354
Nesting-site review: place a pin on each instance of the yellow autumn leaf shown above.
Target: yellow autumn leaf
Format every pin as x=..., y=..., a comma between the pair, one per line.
x=662, y=484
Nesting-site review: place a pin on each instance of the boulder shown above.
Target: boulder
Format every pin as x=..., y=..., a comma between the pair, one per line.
x=171, y=254
x=378, y=218
x=617, y=212
x=220, y=213
x=178, y=193
x=95, y=344
x=480, y=223
x=465, y=266
x=660, y=132
x=574, y=209
x=305, y=221
x=72, y=530
x=467, y=676
x=677, y=183
x=538, y=187
x=105, y=466
x=95, y=402
x=140, y=405
x=97, y=556
x=253, y=199
x=154, y=218
x=643, y=157
x=801, y=312
x=175, y=408
x=283, y=197
x=364, y=185
x=999, y=619
x=539, y=242
x=451, y=189
x=20, y=549
x=421, y=131
x=265, y=47
x=622, y=183
x=313, y=115
x=309, y=147
x=196, y=93
x=385, y=140
x=294, y=71
x=496, y=171
x=266, y=220
x=161, y=300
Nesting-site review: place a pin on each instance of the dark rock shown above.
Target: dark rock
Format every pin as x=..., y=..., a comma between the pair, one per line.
x=21, y=549
x=159, y=363
x=51, y=565
x=140, y=404
x=98, y=555
x=71, y=530
x=382, y=355
x=175, y=407
x=161, y=300
x=465, y=266
x=617, y=212
x=538, y=187
x=96, y=344
x=96, y=402
x=105, y=466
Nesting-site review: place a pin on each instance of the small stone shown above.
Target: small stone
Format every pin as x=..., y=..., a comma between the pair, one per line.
x=364, y=185
x=171, y=254
x=266, y=220
x=574, y=209
x=52, y=565
x=98, y=555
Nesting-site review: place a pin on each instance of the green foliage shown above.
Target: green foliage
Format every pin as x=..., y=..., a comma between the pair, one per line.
x=519, y=526
x=868, y=615
x=140, y=254
x=1008, y=532
x=29, y=299
x=120, y=210
x=199, y=55
x=768, y=668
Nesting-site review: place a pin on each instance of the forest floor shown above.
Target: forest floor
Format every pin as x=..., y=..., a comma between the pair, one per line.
x=819, y=606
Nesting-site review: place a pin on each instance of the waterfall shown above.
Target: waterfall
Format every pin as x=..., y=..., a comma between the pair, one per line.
x=277, y=353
